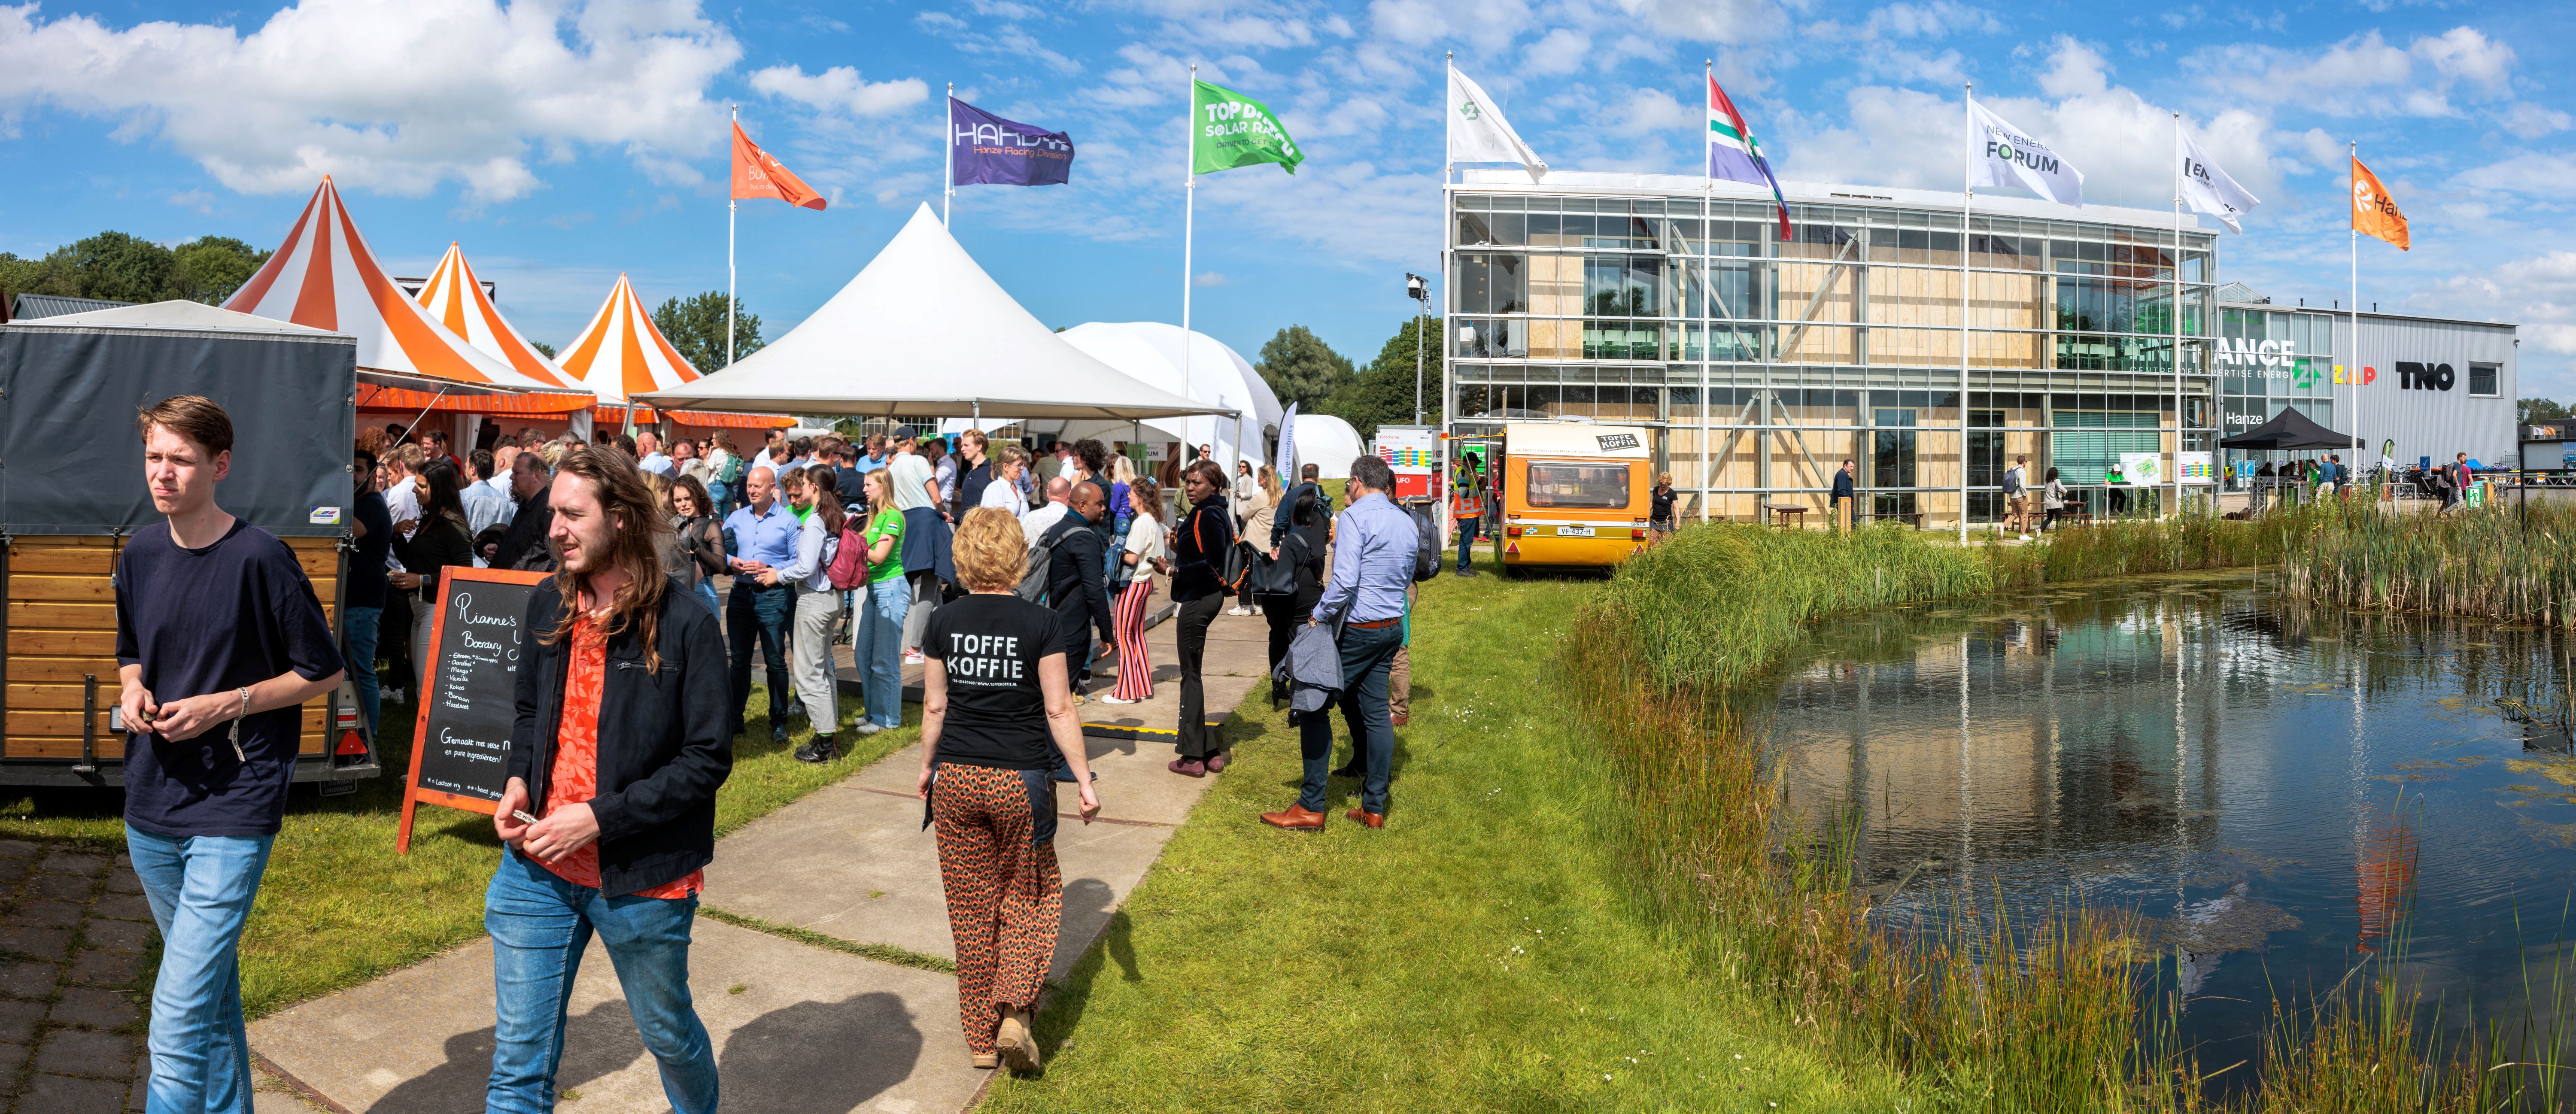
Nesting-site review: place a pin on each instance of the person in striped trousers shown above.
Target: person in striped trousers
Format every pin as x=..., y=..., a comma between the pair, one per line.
x=1137, y=564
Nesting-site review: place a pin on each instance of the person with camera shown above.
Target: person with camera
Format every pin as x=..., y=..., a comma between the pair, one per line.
x=622, y=735
x=219, y=642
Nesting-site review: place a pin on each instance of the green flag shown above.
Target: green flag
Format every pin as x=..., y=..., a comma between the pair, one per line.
x=1232, y=130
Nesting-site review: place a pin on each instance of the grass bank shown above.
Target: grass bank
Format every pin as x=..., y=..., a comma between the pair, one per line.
x=338, y=907
x=2042, y=1016
x=1479, y=953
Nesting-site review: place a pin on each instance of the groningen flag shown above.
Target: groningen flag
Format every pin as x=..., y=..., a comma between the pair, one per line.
x=986, y=150
x=1734, y=155
x=1228, y=129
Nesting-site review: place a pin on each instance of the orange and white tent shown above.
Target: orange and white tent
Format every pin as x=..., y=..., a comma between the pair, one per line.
x=455, y=298
x=325, y=277
x=622, y=354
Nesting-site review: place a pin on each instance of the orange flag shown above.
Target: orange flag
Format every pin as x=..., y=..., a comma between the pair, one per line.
x=756, y=174
x=2373, y=212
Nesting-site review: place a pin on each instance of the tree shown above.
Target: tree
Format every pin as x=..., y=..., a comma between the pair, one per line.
x=51, y=274
x=544, y=347
x=1383, y=393
x=1301, y=368
x=209, y=268
x=2530, y=410
x=695, y=326
x=122, y=268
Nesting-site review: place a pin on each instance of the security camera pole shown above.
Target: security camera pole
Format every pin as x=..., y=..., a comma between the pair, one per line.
x=1420, y=291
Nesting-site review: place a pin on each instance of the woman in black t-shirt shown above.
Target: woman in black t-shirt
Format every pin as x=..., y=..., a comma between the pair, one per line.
x=424, y=547
x=996, y=713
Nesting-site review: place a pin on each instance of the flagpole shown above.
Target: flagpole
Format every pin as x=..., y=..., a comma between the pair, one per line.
x=2176, y=510
x=2352, y=217
x=1708, y=279
x=948, y=191
x=1967, y=199
x=1189, y=225
x=732, y=206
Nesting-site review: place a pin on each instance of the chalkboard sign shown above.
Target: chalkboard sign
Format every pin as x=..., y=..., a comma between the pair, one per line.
x=461, y=745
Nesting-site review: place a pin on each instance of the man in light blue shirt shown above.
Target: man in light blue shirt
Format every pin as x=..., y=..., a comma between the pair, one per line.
x=1374, y=544
x=760, y=539
x=876, y=457
x=649, y=455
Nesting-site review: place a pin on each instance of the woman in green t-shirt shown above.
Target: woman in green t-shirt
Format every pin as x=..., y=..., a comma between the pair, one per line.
x=877, y=646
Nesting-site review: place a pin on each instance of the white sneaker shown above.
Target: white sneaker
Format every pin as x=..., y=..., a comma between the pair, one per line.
x=2025, y=537
x=1118, y=700
x=1256, y=609
x=1237, y=611
x=912, y=657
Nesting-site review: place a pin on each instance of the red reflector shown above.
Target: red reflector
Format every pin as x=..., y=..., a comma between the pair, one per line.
x=1511, y=531
x=351, y=744
x=1637, y=535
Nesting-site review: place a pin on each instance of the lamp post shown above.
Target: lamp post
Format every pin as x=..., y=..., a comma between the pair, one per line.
x=1418, y=289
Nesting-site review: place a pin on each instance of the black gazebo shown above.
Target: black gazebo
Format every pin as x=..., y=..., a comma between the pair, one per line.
x=2290, y=430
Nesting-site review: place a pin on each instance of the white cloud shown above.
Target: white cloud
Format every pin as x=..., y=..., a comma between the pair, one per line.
x=1209, y=278
x=1562, y=51
x=2363, y=75
x=2463, y=52
x=396, y=97
x=2538, y=293
x=2531, y=121
x=1649, y=111
x=840, y=90
x=2074, y=69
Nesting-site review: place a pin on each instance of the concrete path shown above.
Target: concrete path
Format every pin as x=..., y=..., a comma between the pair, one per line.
x=800, y=1025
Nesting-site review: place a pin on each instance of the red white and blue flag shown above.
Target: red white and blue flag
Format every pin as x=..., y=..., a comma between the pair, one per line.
x=1734, y=155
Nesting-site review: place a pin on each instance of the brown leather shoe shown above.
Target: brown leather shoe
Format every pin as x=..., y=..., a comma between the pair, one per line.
x=1296, y=818
x=1372, y=819
x=1396, y=719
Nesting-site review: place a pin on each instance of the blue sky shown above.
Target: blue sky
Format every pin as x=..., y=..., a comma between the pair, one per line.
x=563, y=143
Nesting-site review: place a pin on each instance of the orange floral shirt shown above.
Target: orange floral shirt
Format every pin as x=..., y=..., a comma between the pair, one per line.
x=575, y=777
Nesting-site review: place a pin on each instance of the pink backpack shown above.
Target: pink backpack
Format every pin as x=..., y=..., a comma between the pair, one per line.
x=849, y=568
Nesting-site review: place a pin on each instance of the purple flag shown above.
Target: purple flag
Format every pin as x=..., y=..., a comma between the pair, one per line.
x=987, y=150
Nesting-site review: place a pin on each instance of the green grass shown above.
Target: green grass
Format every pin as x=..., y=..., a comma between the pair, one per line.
x=338, y=907
x=1482, y=952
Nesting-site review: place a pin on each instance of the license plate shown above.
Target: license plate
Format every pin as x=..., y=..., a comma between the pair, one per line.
x=1573, y=531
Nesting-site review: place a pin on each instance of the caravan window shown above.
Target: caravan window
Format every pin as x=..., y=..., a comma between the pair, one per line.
x=1590, y=486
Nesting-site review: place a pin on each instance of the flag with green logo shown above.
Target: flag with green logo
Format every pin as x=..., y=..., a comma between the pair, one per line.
x=1229, y=130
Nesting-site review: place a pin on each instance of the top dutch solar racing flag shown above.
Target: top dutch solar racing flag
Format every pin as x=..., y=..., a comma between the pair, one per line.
x=1734, y=155
x=1478, y=133
x=2000, y=154
x=2206, y=188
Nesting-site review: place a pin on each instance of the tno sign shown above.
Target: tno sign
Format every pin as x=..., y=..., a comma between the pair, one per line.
x=2413, y=376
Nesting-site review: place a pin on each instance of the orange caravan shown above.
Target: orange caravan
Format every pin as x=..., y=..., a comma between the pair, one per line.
x=1574, y=493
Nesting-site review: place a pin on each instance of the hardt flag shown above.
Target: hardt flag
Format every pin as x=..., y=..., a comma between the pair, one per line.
x=2373, y=212
x=756, y=174
x=1228, y=129
x=986, y=150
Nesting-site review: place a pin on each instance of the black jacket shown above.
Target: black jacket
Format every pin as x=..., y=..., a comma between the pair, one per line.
x=665, y=738
x=1077, y=571
x=1842, y=485
x=1199, y=547
x=523, y=545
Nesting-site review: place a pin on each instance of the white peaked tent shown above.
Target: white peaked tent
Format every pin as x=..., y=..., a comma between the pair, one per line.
x=622, y=353
x=1150, y=352
x=1328, y=443
x=923, y=332
x=455, y=298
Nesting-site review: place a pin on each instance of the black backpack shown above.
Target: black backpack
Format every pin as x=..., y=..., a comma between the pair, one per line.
x=1426, y=554
x=1033, y=583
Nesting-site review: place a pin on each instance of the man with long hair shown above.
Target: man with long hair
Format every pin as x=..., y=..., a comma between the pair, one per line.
x=623, y=735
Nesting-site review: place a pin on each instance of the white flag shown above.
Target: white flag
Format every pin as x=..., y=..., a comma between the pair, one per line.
x=2000, y=154
x=1478, y=132
x=2205, y=187
x=1285, y=464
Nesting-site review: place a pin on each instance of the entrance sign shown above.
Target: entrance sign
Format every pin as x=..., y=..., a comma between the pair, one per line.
x=461, y=745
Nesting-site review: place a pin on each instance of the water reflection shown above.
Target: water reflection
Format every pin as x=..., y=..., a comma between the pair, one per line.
x=2270, y=785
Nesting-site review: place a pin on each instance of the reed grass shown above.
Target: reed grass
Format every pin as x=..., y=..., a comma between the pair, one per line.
x=2063, y=1011
x=2501, y=561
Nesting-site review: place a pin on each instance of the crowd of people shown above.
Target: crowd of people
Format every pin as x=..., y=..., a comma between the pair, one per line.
x=1011, y=576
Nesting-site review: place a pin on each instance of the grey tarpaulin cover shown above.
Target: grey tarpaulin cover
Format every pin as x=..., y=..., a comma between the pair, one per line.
x=1312, y=668
x=70, y=462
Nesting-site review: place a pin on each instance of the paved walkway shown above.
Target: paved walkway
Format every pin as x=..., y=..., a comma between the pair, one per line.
x=800, y=1022
x=71, y=1026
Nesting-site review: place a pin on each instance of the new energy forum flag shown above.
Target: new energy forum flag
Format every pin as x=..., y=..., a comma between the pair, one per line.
x=1734, y=155
x=2206, y=188
x=986, y=150
x=2374, y=213
x=756, y=174
x=1228, y=129
x=1478, y=132
x=2000, y=154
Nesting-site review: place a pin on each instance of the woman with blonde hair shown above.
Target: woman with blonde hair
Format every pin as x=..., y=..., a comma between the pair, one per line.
x=1138, y=560
x=877, y=646
x=996, y=714
x=1004, y=490
x=1259, y=512
x=817, y=606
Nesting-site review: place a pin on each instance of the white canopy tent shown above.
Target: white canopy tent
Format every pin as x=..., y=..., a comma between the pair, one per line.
x=1328, y=443
x=1150, y=352
x=922, y=332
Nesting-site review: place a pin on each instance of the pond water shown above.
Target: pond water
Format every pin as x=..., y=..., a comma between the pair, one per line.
x=2271, y=786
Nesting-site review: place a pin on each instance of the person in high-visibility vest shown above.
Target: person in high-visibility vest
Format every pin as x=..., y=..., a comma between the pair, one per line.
x=1467, y=510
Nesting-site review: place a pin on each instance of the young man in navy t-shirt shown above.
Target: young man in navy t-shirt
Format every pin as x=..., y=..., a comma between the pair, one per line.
x=219, y=642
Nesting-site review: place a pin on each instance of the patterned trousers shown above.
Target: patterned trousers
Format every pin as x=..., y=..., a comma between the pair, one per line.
x=1127, y=621
x=1005, y=896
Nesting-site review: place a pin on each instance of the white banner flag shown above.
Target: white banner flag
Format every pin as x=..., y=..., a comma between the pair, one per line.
x=2000, y=154
x=1478, y=132
x=2206, y=188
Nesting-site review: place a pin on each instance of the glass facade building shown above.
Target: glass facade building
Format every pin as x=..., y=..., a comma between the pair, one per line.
x=1761, y=362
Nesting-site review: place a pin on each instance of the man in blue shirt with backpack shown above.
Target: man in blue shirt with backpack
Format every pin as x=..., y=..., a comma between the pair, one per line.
x=1376, y=554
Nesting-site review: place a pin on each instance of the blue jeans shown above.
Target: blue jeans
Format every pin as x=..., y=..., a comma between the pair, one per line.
x=878, y=650
x=759, y=612
x=1366, y=655
x=200, y=889
x=539, y=925
x=707, y=593
x=1466, y=538
x=358, y=627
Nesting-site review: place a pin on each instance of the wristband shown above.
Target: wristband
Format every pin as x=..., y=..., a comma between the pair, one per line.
x=235, y=737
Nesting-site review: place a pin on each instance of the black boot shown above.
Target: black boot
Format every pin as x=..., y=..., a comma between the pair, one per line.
x=821, y=750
